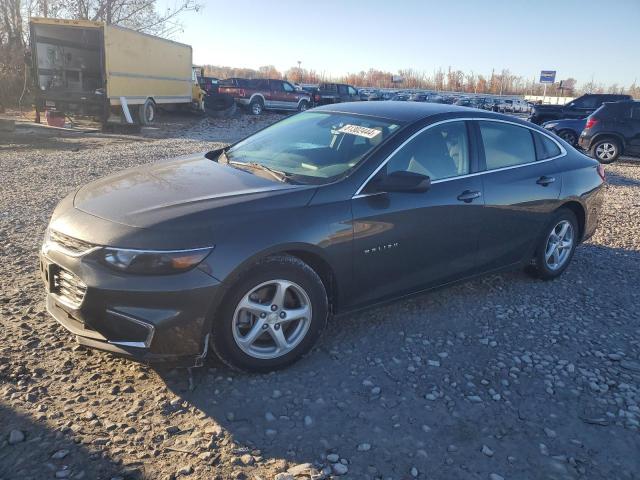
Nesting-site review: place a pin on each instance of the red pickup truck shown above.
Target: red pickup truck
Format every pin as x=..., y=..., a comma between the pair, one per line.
x=260, y=94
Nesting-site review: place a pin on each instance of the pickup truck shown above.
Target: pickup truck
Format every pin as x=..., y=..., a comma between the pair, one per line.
x=581, y=107
x=260, y=94
x=328, y=93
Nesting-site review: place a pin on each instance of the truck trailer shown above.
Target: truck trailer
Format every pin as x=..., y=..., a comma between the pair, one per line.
x=115, y=74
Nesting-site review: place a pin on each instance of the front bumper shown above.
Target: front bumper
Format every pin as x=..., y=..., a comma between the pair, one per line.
x=148, y=318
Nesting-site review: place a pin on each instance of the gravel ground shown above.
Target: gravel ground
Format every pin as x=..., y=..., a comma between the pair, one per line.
x=502, y=377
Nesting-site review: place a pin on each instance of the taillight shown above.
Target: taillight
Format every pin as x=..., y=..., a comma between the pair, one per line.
x=590, y=123
x=316, y=97
x=601, y=173
x=241, y=92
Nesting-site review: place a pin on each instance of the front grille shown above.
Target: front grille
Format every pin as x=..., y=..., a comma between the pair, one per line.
x=68, y=287
x=72, y=245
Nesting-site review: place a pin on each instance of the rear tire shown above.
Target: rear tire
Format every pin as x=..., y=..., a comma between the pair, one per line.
x=304, y=105
x=606, y=150
x=256, y=106
x=556, y=246
x=147, y=112
x=252, y=302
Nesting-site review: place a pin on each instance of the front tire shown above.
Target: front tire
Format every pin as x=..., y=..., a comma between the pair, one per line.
x=256, y=106
x=606, y=150
x=304, y=105
x=272, y=315
x=557, y=245
x=569, y=136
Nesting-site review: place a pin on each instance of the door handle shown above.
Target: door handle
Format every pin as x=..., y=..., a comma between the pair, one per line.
x=468, y=196
x=544, y=180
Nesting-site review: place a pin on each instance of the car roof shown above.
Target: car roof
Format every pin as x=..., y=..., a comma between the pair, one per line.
x=396, y=111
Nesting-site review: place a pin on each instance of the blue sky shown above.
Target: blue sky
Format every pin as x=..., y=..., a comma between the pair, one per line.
x=578, y=38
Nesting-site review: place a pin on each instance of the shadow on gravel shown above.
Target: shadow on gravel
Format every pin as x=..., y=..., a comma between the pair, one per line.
x=619, y=180
x=29, y=448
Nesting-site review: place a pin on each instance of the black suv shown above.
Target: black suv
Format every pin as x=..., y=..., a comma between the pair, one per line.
x=581, y=107
x=612, y=130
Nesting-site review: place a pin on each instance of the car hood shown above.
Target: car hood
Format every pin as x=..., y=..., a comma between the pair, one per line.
x=177, y=194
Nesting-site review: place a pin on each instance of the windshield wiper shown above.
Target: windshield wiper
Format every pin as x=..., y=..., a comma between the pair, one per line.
x=283, y=177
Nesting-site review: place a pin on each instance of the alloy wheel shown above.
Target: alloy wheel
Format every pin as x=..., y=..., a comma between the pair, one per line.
x=606, y=151
x=272, y=319
x=256, y=108
x=559, y=245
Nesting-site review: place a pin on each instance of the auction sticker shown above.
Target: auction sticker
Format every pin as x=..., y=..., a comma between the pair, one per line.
x=360, y=131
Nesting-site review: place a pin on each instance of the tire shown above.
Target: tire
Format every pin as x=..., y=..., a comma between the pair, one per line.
x=569, y=136
x=256, y=106
x=247, y=306
x=545, y=264
x=147, y=112
x=606, y=150
x=303, y=106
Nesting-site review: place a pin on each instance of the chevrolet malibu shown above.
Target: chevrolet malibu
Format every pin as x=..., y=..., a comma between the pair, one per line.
x=247, y=250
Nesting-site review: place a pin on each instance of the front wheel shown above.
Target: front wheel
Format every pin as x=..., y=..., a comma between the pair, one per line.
x=568, y=136
x=606, y=150
x=147, y=112
x=272, y=316
x=556, y=246
x=304, y=105
x=256, y=106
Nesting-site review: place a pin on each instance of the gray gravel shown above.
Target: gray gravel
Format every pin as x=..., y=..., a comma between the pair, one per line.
x=500, y=378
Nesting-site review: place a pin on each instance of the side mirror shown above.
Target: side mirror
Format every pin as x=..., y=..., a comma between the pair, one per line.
x=402, y=181
x=214, y=154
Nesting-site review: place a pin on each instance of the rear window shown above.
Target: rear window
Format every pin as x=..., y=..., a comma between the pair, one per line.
x=506, y=145
x=545, y=147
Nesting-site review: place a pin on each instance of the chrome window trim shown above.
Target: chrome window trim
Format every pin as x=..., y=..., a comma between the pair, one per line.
x=563, y=152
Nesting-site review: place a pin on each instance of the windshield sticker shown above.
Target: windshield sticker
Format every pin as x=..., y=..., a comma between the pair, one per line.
x=360, y=131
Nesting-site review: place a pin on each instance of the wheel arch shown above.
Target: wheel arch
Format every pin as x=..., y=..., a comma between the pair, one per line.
x=579, y=211
x=258, y=96
x=614, y=135
x=310, y=254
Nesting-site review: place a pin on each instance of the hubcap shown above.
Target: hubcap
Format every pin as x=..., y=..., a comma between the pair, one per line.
x=150, y=113
x=559, y=245
x=257, y=108
x=605, y=151
x=272, y=319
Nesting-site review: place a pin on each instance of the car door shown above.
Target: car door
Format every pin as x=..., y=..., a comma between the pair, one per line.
x=404, y=242
x=633, y=140
x=278, y=97
x=290, y=96
x=521, y=185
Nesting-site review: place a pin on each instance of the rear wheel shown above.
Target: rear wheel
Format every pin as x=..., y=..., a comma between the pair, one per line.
x=256, y=106
x=606, y=150
x=556, y=246
x=272, y=316
x=568, y=136
x=147, y=112
x=304, y=105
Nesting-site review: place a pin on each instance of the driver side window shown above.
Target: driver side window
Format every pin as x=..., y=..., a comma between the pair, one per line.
x=287, y=87
x=439, y=152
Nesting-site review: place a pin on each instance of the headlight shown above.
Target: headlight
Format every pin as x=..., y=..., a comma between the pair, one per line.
x=153, y=262
x=549, y=126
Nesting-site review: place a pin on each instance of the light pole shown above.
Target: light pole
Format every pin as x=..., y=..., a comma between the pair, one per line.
x=299, y=71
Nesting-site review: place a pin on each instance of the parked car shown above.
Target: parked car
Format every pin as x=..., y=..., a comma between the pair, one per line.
x=581, y=107
x=568, y=129
x=612, y=130
x=335, y=93
x=251, y=247
x=260, y=94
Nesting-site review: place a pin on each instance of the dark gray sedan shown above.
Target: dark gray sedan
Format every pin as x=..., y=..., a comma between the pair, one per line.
x=249, y=249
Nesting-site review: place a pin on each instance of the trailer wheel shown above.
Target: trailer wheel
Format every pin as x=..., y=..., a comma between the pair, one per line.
x=147, y=112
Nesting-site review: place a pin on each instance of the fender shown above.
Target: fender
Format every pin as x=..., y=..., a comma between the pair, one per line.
x=615, y=135
x=259, y=95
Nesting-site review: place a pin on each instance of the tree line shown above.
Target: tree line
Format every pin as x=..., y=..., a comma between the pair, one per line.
x=501, y=82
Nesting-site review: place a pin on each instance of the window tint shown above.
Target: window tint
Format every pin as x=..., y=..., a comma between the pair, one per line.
x=342, y=89
x=545, y=147
x=352, y=91
x=287, y=87
x=587, y=102
x=506, y=145
x=439, y=152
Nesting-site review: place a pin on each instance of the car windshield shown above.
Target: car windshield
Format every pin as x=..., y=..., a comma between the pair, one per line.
x=313, y=147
